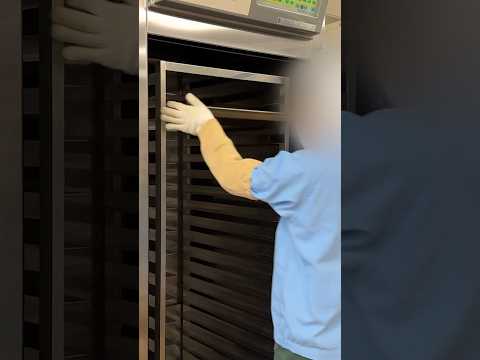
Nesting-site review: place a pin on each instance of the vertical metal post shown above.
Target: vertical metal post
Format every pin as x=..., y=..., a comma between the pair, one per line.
x=98, y=216
x=285, y=90
x=181, y=147
x=58, y=197
x=180, y=194
x=161, y=222
x=143, y=184
x=11, y=182
x=51, y=191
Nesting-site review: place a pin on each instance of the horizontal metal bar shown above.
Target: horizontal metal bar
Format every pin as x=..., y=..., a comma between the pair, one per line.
x=243, y=114
x=254, y=250
x=256, y=325
x=257, y=232
x=248, y=212
x=224, y=73
x=253, y=269
x=192, y=346
x=235, y=339
x=248, y=284
x=251, y=304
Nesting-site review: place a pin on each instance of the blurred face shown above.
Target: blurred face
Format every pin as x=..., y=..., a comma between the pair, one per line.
x=315, y=107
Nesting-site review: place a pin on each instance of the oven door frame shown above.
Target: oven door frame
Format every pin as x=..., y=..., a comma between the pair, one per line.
x=161, y=186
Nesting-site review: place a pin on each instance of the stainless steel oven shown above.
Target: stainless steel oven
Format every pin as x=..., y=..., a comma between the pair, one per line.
x=206, y=257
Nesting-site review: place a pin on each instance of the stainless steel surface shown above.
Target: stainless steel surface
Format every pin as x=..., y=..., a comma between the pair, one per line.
x=228, y=113
x=143, y=185
x=163, y=213
x=223, y=73
x=286, y=96
x=201, y=32
x=260, y=17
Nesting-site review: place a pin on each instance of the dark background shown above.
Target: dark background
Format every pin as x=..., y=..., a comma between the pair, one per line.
x=411, y=52
x=410, y=180
x=11, y=180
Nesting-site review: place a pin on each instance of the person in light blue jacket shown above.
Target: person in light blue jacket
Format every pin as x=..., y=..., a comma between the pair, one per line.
x=304, y=188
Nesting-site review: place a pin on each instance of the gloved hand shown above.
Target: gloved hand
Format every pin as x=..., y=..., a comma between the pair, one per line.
x=99, y=31
x=186, y=118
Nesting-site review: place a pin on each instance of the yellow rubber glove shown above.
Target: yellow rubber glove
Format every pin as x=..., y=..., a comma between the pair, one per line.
x=232, y=172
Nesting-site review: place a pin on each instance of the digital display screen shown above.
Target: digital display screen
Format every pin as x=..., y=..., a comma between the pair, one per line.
x=304, y=7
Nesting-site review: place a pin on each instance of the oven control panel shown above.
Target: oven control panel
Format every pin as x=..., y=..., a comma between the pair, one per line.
x=292, y=18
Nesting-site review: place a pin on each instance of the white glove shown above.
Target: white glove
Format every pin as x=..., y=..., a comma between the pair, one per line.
x=186, y=118
x=99, y=31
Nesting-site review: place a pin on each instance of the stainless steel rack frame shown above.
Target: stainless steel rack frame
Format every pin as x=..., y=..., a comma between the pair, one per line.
x=161, y=187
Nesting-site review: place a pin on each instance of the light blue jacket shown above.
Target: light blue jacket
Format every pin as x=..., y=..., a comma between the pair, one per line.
x=304, y=188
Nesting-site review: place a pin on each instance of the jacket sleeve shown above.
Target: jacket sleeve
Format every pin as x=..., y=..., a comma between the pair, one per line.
x=283, y=182
x=232, y=172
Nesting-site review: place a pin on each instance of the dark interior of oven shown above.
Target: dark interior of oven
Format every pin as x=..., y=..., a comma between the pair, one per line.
x=219, y=248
